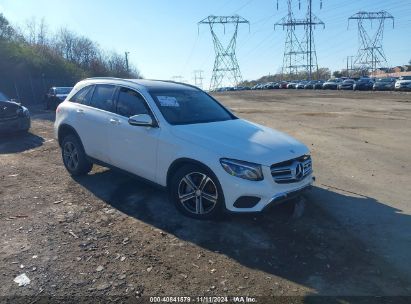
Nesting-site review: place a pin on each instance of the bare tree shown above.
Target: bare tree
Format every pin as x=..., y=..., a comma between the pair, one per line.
x=42, y=33
x=30, y=31
x=65, y=41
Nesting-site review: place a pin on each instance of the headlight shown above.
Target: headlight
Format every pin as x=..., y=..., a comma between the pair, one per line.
x=23, y=112
x=26, y=112
x=242, y=169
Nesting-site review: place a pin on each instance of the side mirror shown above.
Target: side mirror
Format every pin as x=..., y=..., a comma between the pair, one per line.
x=142, y=120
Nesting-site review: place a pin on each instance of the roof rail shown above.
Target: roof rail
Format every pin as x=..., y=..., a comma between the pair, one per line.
x=131, y=80
x=110, y=78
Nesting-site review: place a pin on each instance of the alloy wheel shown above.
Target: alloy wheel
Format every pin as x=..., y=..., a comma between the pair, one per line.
x=70, y=155
x=197, y=193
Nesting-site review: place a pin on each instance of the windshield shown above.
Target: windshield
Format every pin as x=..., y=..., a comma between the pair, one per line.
x=3, y=97
x=348, y=81
x=185, y=106
x=63, y=90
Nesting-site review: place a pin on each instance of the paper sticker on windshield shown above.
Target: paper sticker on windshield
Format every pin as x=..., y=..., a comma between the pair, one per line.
x=168, y=101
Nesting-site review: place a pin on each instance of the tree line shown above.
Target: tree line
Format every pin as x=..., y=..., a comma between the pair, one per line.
x=33, y=57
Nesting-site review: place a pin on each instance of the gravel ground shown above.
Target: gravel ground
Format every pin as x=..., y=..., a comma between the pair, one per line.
x=108, y=234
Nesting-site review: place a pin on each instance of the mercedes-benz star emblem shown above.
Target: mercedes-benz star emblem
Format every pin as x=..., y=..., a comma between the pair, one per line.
x=299, y=171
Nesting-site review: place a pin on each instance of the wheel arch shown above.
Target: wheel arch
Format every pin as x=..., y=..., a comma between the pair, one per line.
x=178, y=163
x=65, y=130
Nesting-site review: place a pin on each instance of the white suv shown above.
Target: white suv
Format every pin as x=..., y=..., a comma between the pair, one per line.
x=179, y=137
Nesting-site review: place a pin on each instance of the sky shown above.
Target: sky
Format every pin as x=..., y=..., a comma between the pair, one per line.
x=164, y=40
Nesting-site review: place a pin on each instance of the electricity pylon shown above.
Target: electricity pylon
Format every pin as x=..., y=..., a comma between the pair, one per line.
x=300, y=54
x=177, y=78
x=370, y=54
x=198, y=78
x=225, y=64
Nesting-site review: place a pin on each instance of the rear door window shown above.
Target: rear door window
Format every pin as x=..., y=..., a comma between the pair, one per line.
x=83, y=96
x=103, y=97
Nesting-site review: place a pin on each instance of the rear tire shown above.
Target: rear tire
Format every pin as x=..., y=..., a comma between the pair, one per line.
x=74, y=157
x=196, y=192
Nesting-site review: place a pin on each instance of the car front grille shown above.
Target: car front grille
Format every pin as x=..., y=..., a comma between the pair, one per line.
x=292, y=171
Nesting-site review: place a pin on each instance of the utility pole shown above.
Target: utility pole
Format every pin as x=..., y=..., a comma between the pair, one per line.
x=198, y=78
x=126, y=55
x=370, y=54
x=225, y=65
x=299, y=53
x=347, y=66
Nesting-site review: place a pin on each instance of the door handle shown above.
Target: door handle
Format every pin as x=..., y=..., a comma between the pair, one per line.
x=114, y=121
x=80, y=111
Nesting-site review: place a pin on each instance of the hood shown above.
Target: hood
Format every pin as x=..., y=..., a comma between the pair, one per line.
x=8, y=109
x=242, y=140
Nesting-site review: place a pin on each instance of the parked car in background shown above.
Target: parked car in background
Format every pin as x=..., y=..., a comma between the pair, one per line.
x=301, y=84
x=318, y=85
x=55, y=96
x=403, y=83
x=332, y=84
x=258, y=86
x=13, y=116
x=292, y=84
x=283, y=84
x=271, y=86
x=384, y=84
x=209, y=159
x=310, y=85
x=363, y=84
x=347, y=84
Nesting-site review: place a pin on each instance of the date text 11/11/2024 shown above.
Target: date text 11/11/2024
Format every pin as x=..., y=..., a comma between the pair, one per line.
x=203, y=299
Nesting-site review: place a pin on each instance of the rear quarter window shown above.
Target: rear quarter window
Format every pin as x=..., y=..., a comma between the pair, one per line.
x=83, y=96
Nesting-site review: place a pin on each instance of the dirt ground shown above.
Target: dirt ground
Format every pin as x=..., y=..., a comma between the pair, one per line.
x=108, y=234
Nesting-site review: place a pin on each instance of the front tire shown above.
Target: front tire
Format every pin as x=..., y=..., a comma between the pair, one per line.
x=197, y=193
x=74, y=157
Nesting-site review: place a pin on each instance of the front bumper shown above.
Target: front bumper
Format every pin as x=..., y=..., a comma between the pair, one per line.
x=14, y=124
x=267, y=191
x=383, y=88
x=330, y=87
x=286, y=196
x=403, y=86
